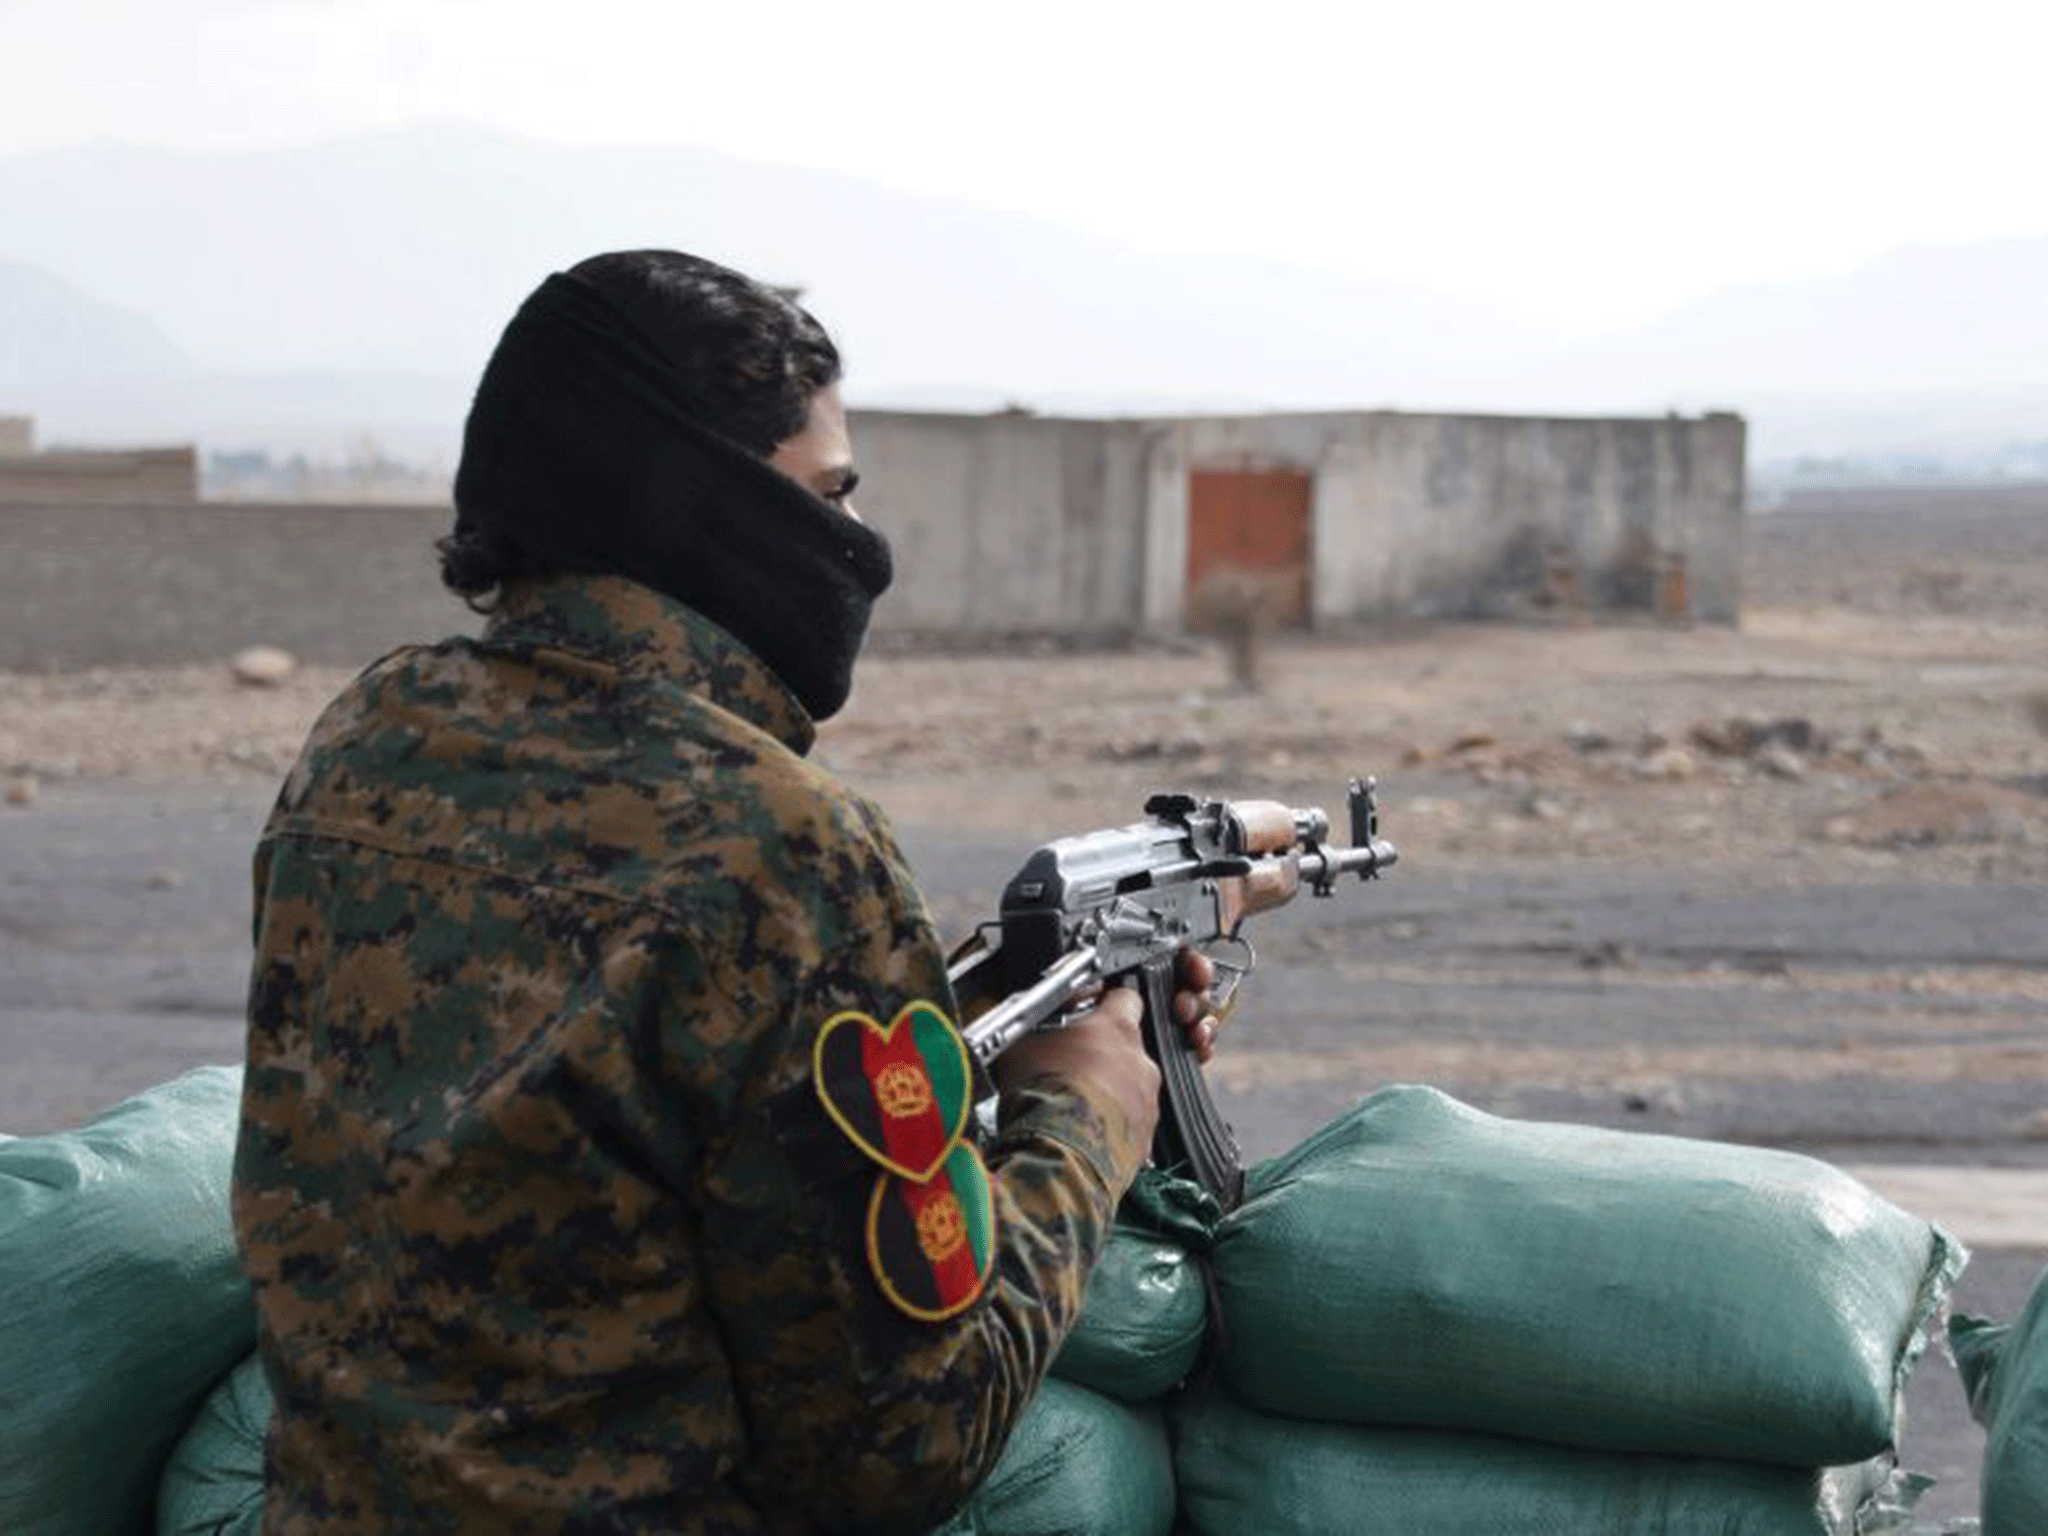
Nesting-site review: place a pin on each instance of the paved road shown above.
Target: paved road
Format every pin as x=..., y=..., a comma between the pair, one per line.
x=1654, y=1000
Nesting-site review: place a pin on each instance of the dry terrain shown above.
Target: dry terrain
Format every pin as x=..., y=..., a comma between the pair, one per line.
x=1883, y=704
x=1879, y=719
x=1885, y=699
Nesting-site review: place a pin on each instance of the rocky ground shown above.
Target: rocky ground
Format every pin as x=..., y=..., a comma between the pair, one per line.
x=1883, y=704
x=1784, y=883
x=1879, y=721
x=1885, y=701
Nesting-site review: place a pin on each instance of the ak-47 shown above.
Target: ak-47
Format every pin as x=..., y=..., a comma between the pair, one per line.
x=1092, y=910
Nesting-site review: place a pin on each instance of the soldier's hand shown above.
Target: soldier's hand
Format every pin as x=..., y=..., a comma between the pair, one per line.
x=1102, y=1047
x=1192, y=1010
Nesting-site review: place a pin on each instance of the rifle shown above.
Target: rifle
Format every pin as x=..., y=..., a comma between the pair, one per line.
x=1088, y=911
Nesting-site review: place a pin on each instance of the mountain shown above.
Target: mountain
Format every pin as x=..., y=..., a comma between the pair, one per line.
x=330, y=290
x=406, y=250
x=52, y=331
x=1914, y=321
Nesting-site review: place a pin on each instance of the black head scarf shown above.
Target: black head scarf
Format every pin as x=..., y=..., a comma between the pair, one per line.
x=578, y=452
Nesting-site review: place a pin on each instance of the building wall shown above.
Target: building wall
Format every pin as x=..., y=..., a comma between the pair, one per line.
x=17, y=436
x=144, y=585
x=1001, y=525
x=100, y=477
x=1007, y=523
x=1437, y=515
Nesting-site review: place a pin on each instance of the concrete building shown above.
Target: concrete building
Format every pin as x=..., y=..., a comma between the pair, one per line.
x=1013, y=523
x=1003, y=525
x=101, y=477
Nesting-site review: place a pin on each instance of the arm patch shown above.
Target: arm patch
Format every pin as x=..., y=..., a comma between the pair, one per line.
x=901, y=1092
x=931, y=1243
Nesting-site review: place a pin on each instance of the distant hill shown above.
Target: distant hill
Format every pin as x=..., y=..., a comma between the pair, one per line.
x=407, y=251
x=327, y=414
x=357, y=286
x=52, y=331
x=96, y=372
x=1914, y=321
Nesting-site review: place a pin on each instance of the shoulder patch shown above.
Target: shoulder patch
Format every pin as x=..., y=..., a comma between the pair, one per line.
x=902, y=1092
x=931, y=1243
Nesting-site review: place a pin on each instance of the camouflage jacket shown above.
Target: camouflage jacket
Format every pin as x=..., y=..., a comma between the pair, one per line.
x=552, y=1220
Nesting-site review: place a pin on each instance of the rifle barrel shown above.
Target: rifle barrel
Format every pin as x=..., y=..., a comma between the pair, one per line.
x=1321, y=867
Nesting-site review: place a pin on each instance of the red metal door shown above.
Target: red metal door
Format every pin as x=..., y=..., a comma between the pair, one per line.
x=1251, y=526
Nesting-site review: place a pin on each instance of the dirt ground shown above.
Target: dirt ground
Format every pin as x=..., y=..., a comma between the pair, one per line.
x=1879, y=719
x=1883, y=703
x=1877, y=705
x=1783, y=883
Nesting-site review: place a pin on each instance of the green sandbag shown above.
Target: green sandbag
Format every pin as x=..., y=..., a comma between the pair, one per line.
x=2005, y=1370
x=1078, y=1464
x=123, y=1303
x=213, y=1483
x=1422, y=1264
x=1147, y=1309
x=1244, y=1474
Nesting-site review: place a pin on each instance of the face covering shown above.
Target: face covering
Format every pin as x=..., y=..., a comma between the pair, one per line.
x=577, y=452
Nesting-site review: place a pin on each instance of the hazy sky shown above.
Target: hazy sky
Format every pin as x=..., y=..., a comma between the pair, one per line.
x=1572, y=160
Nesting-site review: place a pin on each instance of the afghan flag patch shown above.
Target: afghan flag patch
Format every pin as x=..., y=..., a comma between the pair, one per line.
x=902, y=1091
x=931, y=1243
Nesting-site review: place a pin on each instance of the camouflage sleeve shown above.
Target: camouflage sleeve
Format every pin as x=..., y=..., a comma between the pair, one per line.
x=880, y=1379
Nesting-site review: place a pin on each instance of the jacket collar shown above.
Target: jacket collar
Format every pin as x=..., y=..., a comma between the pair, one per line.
x=638, y=630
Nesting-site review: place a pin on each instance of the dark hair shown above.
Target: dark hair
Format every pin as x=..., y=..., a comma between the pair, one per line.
x=746, y=358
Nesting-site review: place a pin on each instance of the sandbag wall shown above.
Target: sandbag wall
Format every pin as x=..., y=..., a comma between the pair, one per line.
x=1436, y=1320
x=1425, y=1319
x=123, y=1303
x=2005, y=1371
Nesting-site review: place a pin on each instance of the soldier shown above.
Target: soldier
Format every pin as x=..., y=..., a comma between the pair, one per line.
x=606, y=1160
